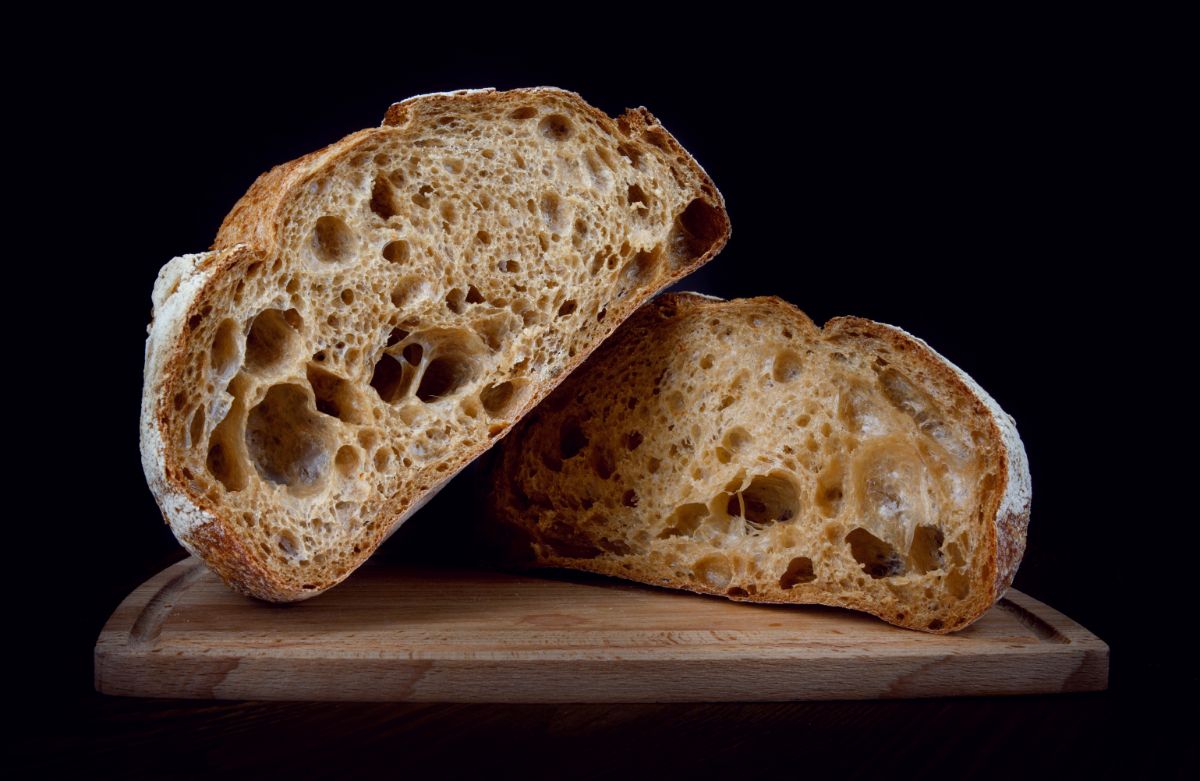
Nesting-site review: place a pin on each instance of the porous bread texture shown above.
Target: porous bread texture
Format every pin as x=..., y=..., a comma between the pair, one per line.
x=377, y=313
x=734, y=448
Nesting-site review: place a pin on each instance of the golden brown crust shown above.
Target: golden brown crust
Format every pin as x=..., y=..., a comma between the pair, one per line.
x=1005, y=501
x=251, y=234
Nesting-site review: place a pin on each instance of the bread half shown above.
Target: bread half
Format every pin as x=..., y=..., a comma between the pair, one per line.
x=734, y=448
x=377, y=313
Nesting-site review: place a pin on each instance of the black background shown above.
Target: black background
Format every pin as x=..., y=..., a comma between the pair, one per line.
x=977, y=190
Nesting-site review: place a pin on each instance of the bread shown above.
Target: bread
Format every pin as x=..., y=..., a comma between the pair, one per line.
x=374, y=315
x=734, y=448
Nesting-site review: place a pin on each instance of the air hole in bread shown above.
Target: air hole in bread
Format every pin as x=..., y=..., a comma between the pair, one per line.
x=474, y=296
x=768, y=499
x=336, y=396
x=629, y=498
x=736, y=439
x=273, y=339
x=196, y=429
x=830, y=491
x=697, y=228
x=955, y=553
x=288, y=441
x=786, y=367
x=915, y=403
x=618, y=547
x=925, y=553
x=455, y=300
x=524, y=112
x=383, y=198
x=706, y=362
x=333, y=241
x=410, y=289
x=499, y=400
x=857, y=409
x=684, y=520
x=601, y=461
x=510, y=266
x=657, y=138
x=638, y=199
x=551, y=461
x=640, y=269
x=565, y=540
x=413, y=353
x=396, y=251
x=890, y=482
x=288, y=543
x=483, y=237
x=571, y=439
x=555, y=127
x=224, y=357
x=713, y=570
x=799, y=570
x=494, y=330
x=553, y=212
x=346, y=460
x=421, y=196
x=600, y=175
x=632, y=440
x=444, y=376
x=391, y=379
x=629, y=152
x=226, y=459
x=567, y=307
x=958, y=584
x=878, y=558
x=226, y=467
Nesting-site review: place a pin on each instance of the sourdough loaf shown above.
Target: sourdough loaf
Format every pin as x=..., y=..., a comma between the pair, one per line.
x=734, y=448
x=374, y=315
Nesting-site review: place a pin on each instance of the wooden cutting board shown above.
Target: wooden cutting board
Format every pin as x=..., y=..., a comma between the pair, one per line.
x=392, y=632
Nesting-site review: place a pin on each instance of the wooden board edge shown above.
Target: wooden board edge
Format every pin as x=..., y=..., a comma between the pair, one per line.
x=140, y=616
x=625, y=681
x=1057, y=630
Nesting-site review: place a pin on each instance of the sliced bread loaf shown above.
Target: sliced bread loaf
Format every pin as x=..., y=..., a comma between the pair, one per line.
x=734, y=448
x=377, y=313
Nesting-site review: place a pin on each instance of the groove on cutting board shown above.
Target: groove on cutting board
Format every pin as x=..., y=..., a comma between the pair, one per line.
x=1039, y=627
x=149, y=622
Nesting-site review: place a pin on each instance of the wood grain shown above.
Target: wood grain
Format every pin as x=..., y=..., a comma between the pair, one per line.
x=418, y=634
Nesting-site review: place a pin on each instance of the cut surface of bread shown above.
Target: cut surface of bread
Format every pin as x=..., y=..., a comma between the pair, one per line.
x=374, y=315
x=734, y=448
